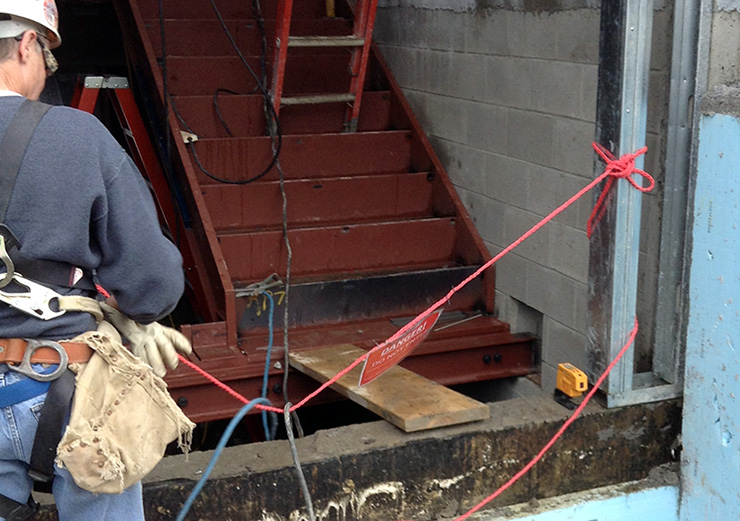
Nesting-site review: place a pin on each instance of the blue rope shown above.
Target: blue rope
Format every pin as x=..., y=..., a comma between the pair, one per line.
x=269, y=432
x=217, y=453
x=266, y=374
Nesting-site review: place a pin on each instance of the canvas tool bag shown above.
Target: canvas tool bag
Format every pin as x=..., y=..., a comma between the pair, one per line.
x=122, y=419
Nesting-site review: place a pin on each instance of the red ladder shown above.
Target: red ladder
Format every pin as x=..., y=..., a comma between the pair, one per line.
x=141, y=149
x=360, y=40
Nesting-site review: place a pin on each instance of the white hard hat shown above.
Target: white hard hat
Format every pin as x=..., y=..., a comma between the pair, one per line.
x=19, y=16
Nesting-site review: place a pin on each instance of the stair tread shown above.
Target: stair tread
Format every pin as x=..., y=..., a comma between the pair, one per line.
x=341, y=249
x=244, y=114
x=336, y=226
x=231, y=9
x=317, y=98
x=320, y=155
x=319, y=201
x=311, y=179
x=323, y=72
x=329, y=225
x=399, y=271
x=347, y=136
x=214, y=41
x=366, y=333
x=325, y=41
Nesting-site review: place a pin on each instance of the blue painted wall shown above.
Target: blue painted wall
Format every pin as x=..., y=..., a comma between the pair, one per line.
x=710, y=476
x=658, y=504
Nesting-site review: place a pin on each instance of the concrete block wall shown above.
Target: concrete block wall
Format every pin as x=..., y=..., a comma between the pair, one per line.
x=508, y=99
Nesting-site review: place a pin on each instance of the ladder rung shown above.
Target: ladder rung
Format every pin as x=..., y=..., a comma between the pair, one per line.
x=318, y=98
x=325, y=41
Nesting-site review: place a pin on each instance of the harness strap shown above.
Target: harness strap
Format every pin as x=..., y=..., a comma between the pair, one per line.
x=44, y=270
x=51, y=423
x=12, y=510
x=21, y=391
x=12, y=152
x=80, y=303
x=13, y=147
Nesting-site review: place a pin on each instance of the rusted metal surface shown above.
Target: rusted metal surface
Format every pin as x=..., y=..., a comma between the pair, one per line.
x=377, y=231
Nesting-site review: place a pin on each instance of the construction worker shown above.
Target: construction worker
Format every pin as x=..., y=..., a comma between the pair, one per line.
x=76, y=213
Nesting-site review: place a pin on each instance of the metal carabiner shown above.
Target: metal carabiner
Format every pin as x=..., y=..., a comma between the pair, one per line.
x=25, y=368
x=257, y=288
x=36, y=301
x=6, y=277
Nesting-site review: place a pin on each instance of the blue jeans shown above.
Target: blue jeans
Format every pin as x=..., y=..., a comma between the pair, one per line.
x=18, y=425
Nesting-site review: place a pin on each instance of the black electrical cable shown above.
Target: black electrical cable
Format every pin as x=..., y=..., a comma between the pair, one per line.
x=272, y=113
x=257, y=12
x=297, y=463
x=203, y=169
x=218, y=109
x=273, y=116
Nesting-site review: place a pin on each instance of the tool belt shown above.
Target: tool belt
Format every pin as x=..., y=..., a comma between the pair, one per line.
x=13, y=351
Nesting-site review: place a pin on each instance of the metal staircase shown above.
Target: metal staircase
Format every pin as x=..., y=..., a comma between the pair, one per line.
x=376, y=229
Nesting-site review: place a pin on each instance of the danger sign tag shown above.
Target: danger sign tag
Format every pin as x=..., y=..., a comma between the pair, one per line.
x=381, y=360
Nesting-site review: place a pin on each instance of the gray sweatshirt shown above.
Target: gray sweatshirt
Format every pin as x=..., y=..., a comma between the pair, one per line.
x=80, y=199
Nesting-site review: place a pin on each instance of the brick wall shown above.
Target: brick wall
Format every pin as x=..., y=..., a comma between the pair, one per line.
x=508, y=99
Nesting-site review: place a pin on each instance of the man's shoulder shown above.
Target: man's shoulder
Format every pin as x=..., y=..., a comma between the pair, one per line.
x=69, y=127
x=61, y=114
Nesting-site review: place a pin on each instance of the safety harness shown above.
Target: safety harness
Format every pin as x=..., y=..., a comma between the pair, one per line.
x=22, y=287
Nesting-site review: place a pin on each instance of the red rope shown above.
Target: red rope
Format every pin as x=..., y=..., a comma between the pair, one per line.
x=516, y=476
x=560, y=432
x=218, y=383
x=621, y=168
x=102, y=291
x=457, y=288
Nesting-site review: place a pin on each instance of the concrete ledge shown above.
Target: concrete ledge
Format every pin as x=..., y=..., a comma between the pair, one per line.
x=722, y=99
x=654, y=498
x=376, y=472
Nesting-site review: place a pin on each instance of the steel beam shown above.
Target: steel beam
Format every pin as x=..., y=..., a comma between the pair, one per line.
x=670, y=311
x=624, y=51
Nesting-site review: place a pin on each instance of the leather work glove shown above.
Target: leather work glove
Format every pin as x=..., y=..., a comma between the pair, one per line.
x=154, y=344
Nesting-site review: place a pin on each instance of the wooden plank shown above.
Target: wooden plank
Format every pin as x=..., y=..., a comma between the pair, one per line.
x=407, y=400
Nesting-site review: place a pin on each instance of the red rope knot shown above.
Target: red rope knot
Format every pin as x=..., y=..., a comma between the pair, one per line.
x=621, y=168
